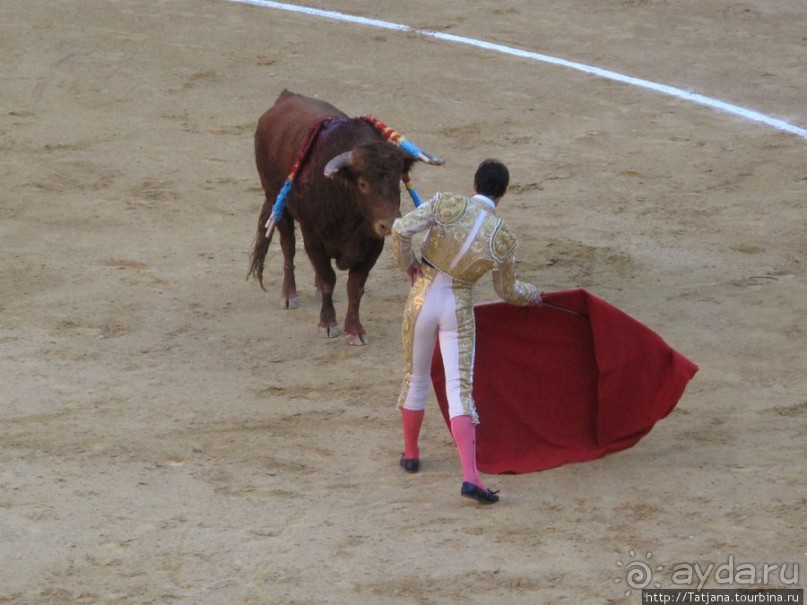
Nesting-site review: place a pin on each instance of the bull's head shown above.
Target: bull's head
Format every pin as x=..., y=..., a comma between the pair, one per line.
x=375, y=171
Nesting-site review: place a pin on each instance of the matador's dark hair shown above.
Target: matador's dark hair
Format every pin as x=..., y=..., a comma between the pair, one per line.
x=492, y=178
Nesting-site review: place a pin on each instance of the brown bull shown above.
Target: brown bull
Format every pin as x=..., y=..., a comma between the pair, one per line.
x=345, y=196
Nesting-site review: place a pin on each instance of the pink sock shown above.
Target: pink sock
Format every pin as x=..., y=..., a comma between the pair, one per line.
x=411, y=420
x=464, y=432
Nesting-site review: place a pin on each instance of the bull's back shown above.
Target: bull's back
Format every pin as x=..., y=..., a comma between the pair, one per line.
x=283, y=129
x=302, y=107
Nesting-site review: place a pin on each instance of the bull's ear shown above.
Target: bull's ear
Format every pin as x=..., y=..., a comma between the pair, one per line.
x=409, y=161
x=343, y=160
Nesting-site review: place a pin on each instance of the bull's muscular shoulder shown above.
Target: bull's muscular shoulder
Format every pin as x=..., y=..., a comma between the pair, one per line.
x=449, y=208
x=503, y=244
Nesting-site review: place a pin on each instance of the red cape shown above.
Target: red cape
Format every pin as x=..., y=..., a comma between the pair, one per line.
x=553, y=387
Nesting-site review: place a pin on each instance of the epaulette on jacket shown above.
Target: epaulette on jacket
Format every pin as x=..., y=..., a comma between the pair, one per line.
x=503, y=243
x=449, y=208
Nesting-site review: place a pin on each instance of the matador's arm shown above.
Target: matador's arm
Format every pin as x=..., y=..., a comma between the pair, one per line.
x=404, y=228
x=512, y=290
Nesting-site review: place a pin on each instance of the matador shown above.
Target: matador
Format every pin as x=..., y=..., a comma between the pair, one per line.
x=464, y=240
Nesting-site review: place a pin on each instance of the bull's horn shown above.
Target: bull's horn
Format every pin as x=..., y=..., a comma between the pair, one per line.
x=337, y=163
x=430, y=159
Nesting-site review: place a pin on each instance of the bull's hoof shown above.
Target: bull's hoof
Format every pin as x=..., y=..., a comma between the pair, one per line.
x=289, y=303
x=357, y=339
x=329, y=331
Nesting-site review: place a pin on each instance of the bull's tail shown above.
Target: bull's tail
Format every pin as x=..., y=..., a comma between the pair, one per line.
x=261, y=246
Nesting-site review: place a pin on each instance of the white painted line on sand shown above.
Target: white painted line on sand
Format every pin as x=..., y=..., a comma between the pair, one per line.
x=745, y=113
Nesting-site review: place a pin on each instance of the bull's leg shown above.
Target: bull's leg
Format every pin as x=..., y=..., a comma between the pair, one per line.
x=288, y=243
x=357, y=277
x=326, y=281
x=354, y=331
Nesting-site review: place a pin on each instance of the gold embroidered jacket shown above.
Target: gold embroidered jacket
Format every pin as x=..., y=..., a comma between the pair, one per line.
x=465, y=239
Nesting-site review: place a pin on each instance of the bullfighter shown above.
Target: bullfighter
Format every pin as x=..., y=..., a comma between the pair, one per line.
x=464, y=240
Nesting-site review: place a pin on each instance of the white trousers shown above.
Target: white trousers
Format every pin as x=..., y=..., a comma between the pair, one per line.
x=439, y=308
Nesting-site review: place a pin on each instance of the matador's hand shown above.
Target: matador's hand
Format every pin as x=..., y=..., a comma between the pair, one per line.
x=414, y=271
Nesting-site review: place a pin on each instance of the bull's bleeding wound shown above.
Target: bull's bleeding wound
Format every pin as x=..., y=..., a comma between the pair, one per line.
x=409, y=147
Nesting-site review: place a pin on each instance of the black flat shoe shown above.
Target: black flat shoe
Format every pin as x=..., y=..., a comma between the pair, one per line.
x=485, y=496
x=410, y=465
